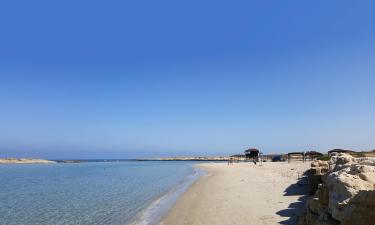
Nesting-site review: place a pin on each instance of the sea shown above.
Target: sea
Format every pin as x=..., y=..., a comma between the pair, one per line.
x=92, y=193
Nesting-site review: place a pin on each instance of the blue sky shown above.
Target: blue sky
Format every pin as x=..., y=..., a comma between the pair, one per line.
x=124, y=79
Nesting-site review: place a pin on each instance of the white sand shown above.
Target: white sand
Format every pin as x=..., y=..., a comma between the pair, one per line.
x=242, y=193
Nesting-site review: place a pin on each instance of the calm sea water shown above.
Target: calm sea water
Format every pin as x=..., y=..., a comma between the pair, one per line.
x=115, y=193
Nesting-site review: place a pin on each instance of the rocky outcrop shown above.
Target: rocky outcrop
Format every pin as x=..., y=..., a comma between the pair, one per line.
x=318, y=169
x=346, y=195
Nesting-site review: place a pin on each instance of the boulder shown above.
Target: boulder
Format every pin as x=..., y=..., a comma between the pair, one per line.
x=346, y=195
x=314, y=181
x=341, y=159
x=345, y=184
x=360, y=209
x=318, y=169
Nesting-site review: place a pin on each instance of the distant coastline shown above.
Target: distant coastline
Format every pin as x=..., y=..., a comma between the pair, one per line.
x=25, y=161
x=45, y=161
x=195, y=158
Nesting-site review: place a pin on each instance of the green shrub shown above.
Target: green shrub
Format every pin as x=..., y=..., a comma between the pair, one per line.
x=324, y=158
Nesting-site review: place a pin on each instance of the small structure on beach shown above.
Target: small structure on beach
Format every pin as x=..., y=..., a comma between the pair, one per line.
x=312, y=155
x=296, y=156
x=252, y=153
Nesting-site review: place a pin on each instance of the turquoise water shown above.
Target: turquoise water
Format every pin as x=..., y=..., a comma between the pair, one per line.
x=115, y=193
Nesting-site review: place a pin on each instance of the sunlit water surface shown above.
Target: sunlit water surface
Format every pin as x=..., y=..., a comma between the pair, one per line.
x=95, y=193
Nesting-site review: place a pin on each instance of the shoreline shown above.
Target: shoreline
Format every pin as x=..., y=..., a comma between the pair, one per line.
x=242, y=193
x=154, y=213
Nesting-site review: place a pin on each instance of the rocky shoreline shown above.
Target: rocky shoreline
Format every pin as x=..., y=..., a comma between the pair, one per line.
x=344, y=192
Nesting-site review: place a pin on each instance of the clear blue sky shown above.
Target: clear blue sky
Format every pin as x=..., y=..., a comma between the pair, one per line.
x=124, y=79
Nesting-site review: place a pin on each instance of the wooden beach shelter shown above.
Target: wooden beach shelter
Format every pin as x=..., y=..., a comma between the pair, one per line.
x=251, y=153
x=312, y=155
x=296, y=156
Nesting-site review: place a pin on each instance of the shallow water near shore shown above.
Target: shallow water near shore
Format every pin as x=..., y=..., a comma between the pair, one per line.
x=115, y=193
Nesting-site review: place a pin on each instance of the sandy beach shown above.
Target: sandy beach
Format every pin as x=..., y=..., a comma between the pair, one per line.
x=242, y=193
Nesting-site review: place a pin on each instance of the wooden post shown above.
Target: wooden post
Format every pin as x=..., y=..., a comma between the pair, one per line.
x=303, y=156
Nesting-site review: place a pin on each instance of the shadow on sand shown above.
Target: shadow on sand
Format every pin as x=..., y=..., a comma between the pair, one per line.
x=296, y=208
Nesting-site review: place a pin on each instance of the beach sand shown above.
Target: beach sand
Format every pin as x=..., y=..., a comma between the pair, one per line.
x=243, y=193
